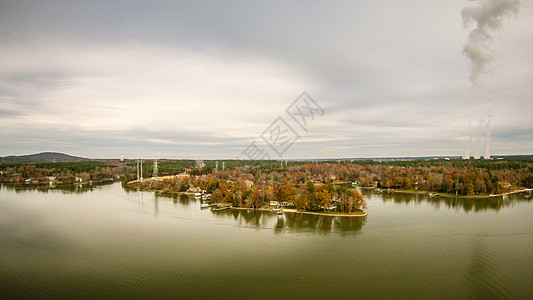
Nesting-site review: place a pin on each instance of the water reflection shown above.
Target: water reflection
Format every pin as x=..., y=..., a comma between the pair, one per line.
x=183, y=199
x=478, y=270
x=270, y=220
x=98, y=246
x=156, y=201
x=466, y=204
x=293, y=222
x=45, y=188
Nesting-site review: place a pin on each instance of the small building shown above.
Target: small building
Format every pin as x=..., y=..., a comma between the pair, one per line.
x=249, y=183
x=199, y=164
x=195, y=189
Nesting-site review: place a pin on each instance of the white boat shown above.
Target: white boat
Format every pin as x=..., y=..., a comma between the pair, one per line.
x=204, y=205
x=280, y=211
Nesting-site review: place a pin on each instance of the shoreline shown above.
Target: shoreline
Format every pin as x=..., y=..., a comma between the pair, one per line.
x=436, y=194
x=136, y=185
x=291, y=210
x=58, y=184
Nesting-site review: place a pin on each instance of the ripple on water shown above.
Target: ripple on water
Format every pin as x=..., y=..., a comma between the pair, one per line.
x=175, y=251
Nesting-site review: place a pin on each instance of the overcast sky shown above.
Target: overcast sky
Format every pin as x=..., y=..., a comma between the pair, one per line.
x=177, y=79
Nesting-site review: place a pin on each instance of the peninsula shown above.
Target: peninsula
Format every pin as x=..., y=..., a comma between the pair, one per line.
x=328, y=187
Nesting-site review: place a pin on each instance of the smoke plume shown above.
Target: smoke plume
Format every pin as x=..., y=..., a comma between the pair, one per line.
x=487, y=18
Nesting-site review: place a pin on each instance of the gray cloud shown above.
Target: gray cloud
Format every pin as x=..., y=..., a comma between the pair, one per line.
x=204, y=79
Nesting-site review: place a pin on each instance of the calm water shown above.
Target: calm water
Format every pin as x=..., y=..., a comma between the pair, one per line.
x=110, y=243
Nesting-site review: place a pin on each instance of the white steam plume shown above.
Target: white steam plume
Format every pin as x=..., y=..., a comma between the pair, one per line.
x=487, y=139
x=487, y=17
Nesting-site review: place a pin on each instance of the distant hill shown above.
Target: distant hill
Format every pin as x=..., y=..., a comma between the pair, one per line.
x=41, y=158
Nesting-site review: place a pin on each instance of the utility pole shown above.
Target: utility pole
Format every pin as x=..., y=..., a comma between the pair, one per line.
x=141, y=170
x=137, y=169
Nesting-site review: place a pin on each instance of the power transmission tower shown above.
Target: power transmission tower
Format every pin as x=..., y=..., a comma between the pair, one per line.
x=154, y=173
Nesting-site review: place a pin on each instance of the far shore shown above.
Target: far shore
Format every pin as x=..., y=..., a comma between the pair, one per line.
x=54, y=184
x=450, y=195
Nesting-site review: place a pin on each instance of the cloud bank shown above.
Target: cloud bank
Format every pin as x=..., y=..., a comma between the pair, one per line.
x=204, y=79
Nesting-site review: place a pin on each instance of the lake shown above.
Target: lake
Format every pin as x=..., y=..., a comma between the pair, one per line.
x=107, y=242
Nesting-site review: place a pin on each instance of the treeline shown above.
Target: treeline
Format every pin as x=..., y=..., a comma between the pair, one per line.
x=457, y=177
x=62, y=172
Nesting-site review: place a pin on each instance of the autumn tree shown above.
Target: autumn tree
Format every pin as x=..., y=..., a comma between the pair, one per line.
x=256, y=198
x=351, y=200
x=323, y=197
x=217, y=195
x=301, y=202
